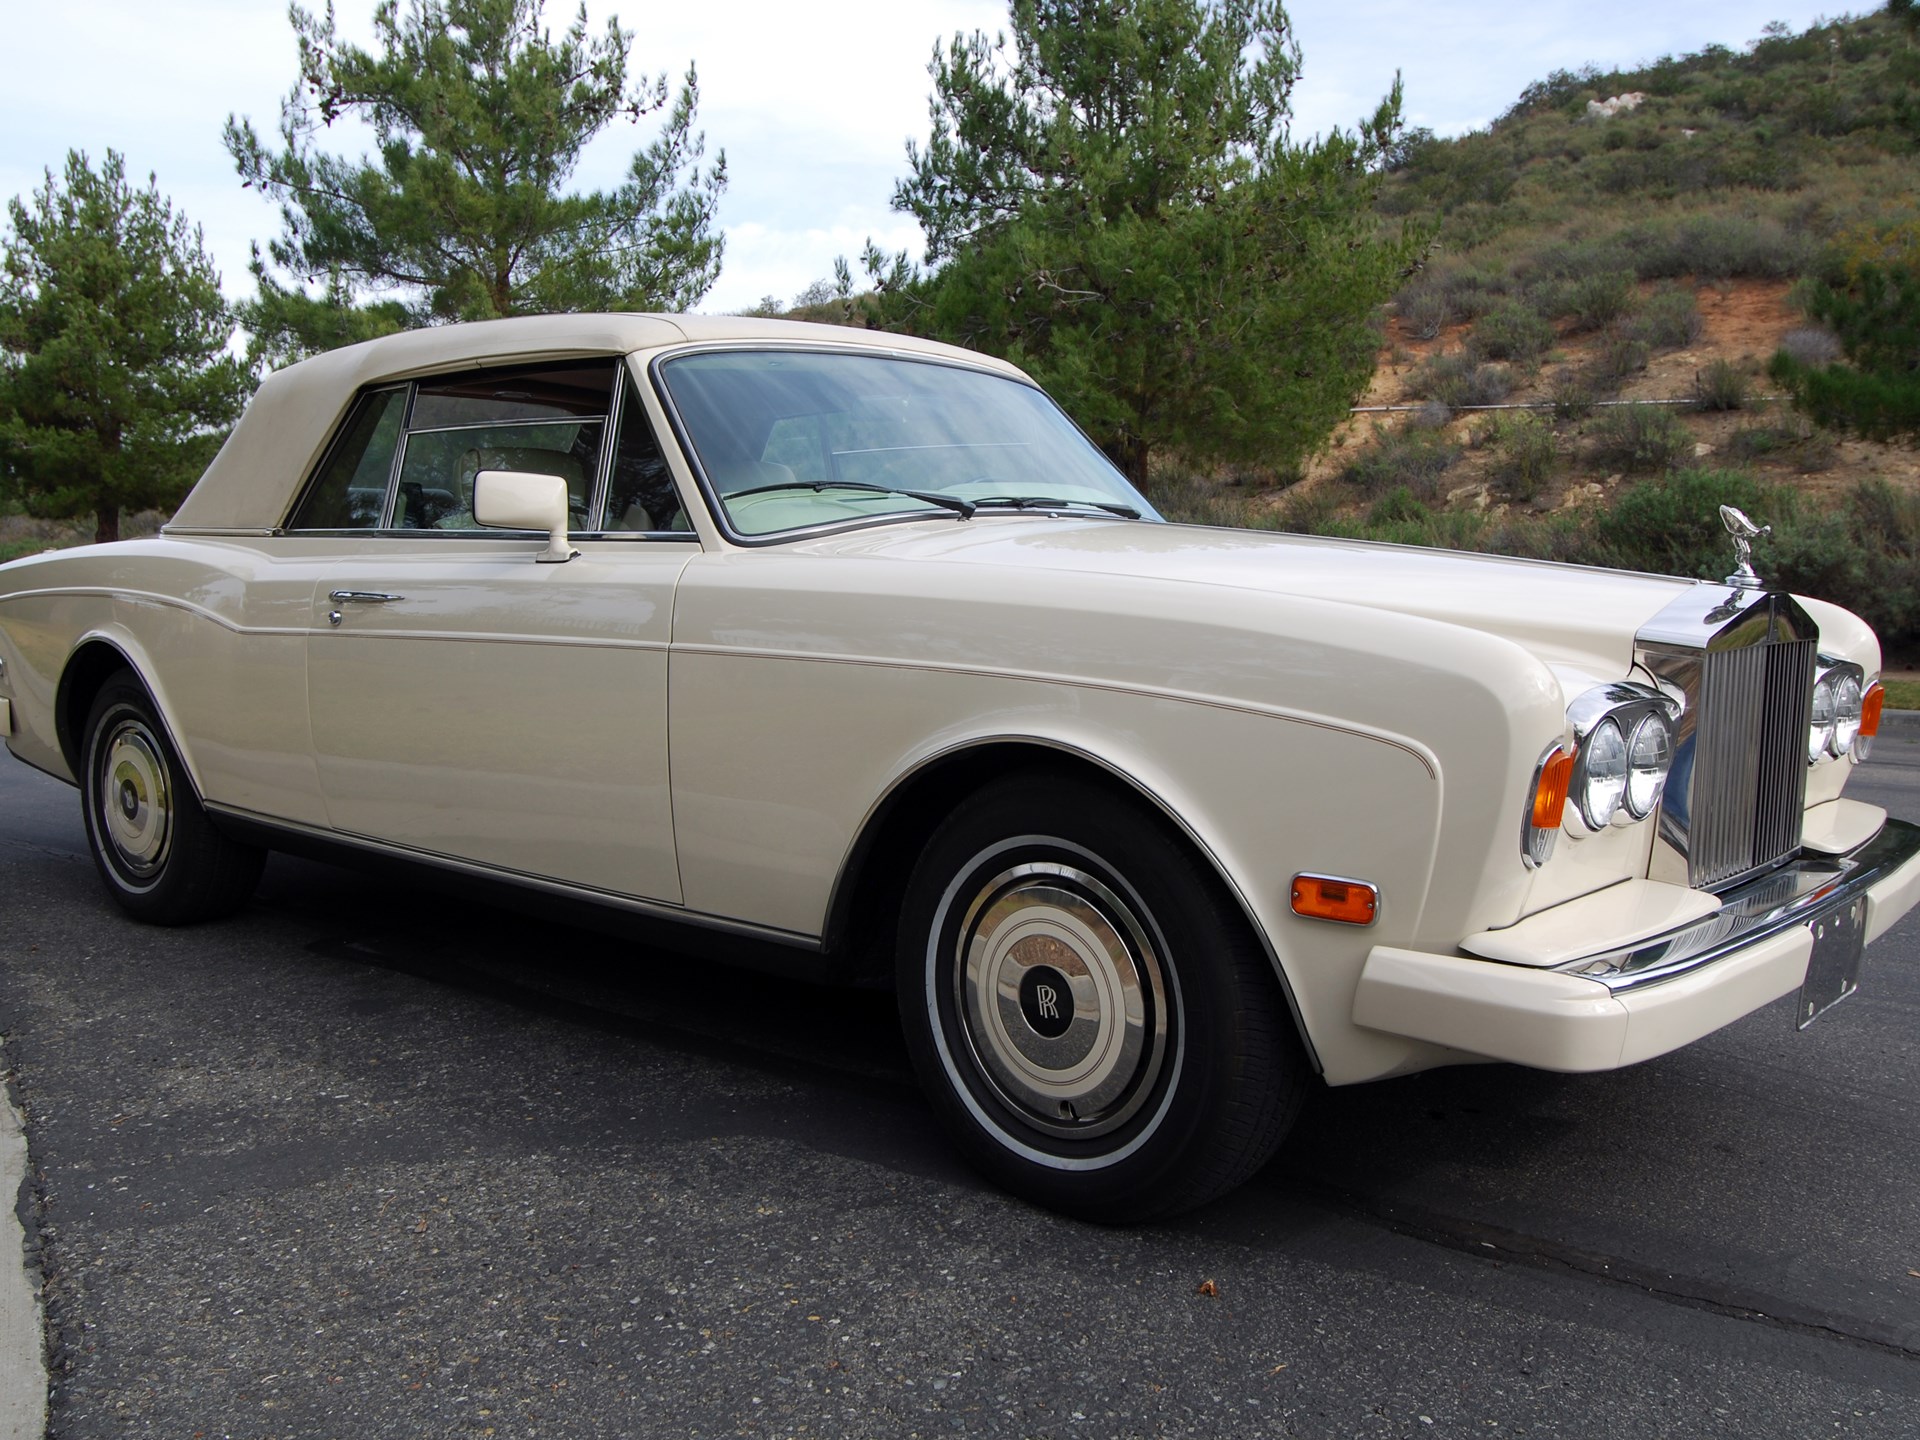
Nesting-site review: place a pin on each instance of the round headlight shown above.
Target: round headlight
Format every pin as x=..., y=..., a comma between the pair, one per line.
x=1603, y=774
x=1820, y=730
x=1649, y=754
x=1846, y=714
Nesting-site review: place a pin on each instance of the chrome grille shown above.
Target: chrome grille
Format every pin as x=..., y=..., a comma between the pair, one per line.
x=1750, y=759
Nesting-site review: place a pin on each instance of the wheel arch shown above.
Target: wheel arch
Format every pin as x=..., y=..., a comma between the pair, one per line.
x=898, y=826
x=94, y=661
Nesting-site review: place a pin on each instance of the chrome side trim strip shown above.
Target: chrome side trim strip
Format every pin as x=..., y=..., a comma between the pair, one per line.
x=655, y=909
x=1795, y=894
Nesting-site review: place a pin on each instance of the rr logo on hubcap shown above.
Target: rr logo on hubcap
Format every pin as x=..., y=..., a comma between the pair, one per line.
x=1045, y=1001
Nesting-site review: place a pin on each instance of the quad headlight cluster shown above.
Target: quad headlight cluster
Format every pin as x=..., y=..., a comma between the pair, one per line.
x=1613, y=774
x=1845, y=715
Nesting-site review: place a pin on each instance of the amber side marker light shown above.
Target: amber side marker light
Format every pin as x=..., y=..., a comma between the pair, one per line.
x=1870, y=710
x=1550, y=795
x=1325, y=897
x=1871, y=704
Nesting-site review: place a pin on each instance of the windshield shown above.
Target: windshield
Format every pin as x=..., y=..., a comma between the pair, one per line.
x=792, y=439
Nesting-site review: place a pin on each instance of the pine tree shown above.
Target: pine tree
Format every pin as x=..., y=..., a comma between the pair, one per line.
x=115, y=377
x=1114, y=203
x=480, y=115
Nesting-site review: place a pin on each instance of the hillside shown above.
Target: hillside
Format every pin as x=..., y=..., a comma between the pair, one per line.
x=1634, y=236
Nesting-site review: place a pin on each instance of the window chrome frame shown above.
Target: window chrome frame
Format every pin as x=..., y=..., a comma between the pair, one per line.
x=709, y=493
x=601, y=479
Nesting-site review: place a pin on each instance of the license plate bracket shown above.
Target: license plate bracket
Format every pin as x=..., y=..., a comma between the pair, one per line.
x=1833, y=970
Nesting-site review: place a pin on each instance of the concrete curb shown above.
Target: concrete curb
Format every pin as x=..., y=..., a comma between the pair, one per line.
x=23, y=1367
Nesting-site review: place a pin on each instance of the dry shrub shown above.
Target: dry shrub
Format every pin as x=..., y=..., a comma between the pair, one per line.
x=1640, y=439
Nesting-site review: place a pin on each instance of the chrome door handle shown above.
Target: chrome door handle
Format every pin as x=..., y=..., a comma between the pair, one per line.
x=363, y=597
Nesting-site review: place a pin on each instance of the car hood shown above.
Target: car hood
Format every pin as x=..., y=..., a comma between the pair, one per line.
x=1565, y=614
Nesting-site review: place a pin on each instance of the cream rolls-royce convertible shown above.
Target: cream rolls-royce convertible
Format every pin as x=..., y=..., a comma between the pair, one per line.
x=848, y=654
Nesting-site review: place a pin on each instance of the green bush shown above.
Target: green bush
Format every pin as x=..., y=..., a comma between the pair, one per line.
x=1457, y=381
x=1398, y=507
x=1721, y=386
x=1425, y=311
x=1526, y=451
x=1669, y=319
x=1510, y=331
x=1791, y=439
x=1572, y=395
x=1719, y=247
x=1472, y=293
x=1672, y=525
x=1617, y=357
x=1873, y=568
x=1873, y=308
x=1306, y=513
x=1597, y=301
x=1410, y=458
x=1640, y=439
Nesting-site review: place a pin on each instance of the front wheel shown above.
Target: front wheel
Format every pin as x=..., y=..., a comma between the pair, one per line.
x=1093, y=1018
x=161, y=858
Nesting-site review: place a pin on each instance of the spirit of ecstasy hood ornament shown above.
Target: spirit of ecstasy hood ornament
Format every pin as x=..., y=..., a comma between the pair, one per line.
x=1744, y=532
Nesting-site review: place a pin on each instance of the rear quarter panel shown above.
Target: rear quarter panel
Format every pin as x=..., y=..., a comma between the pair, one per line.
x=217, y=635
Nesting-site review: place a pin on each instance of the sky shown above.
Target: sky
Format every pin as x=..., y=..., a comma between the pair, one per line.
x=813, y=103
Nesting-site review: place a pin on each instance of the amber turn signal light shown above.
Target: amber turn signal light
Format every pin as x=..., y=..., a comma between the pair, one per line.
x=1322, y=897
x=1870, y=708
x=1550, y=795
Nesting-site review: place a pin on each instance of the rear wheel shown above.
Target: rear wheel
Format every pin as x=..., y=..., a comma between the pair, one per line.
x=161, y=858
x=1087, y=1007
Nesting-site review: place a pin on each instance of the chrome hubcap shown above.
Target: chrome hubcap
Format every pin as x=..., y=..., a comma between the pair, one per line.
x=136, y=802
x=1061, y=998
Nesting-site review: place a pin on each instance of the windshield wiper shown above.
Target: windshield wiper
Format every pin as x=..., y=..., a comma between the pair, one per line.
x=963, y=508
x=1048, y=502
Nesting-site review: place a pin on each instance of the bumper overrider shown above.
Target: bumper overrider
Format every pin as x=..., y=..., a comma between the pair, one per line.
x=1525, y=999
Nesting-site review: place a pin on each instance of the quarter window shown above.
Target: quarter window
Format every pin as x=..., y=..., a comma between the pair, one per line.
x=350, y=492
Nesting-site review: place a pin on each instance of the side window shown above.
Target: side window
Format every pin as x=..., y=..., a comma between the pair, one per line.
x=350, y=491
x=436, y=477
x=551, y=421
x=640, y=490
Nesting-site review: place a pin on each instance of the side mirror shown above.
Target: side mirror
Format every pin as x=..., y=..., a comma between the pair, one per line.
x=516, y=500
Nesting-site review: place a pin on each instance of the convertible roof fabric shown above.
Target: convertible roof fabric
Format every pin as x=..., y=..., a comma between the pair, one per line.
x=252, y=481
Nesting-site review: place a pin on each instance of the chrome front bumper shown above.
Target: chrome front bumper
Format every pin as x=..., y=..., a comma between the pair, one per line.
x=1631, y=1002
x=1798, y=894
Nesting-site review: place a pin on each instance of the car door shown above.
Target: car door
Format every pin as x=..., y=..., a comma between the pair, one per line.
x=468, y=701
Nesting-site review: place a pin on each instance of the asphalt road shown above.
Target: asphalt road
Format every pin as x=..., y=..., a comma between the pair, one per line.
x=366, y=1161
